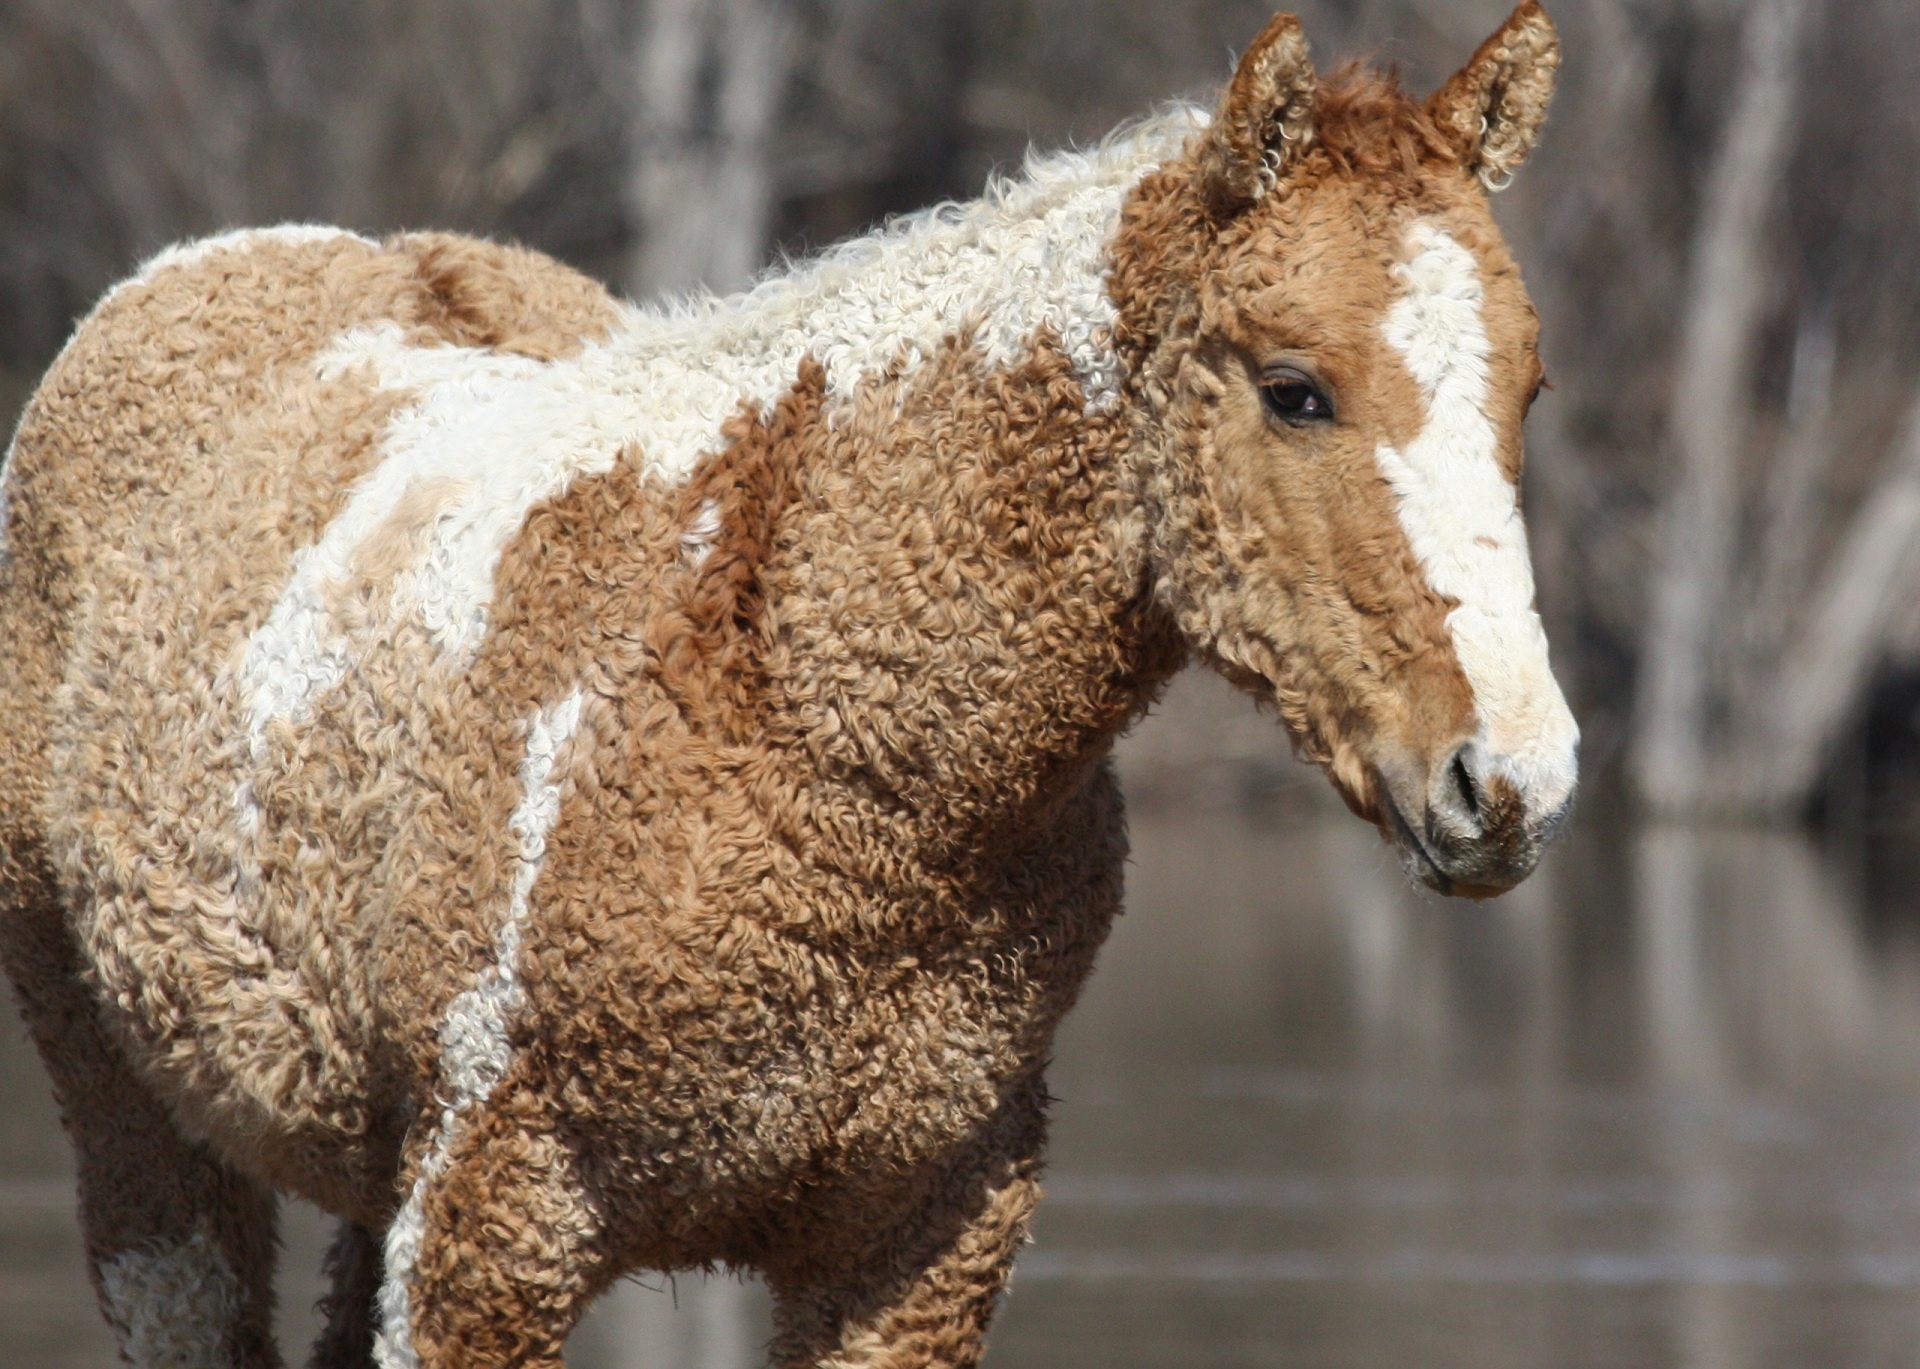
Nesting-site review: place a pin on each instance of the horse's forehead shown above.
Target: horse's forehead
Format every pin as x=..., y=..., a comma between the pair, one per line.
x=1329, y=285
x=1329, y=240
x=1446, y=268
x=1341, y=247
x=1314, y=284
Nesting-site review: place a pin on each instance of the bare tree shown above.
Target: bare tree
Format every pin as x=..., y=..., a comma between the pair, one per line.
x=1726, y=301
x=709, y=77
x=1820, y=679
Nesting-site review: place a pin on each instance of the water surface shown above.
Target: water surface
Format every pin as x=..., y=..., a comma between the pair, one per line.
x=1661, y=1107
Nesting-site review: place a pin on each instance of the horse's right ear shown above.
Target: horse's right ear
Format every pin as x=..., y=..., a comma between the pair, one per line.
x=1265, y=119
x=1491, y=110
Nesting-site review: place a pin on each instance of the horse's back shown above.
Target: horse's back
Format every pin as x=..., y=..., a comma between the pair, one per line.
x=186, y=411
x=189, y=443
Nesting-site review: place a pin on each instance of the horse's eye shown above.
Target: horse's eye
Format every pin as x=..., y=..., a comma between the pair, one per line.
x=1294, y=399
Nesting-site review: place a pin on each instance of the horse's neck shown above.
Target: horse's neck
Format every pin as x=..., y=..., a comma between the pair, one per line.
x=937, y=477
x=959, y=591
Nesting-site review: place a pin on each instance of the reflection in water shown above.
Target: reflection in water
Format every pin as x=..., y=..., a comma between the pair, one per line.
x=1660, y=1107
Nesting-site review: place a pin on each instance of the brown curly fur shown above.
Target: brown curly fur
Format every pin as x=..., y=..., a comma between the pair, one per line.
x=838, y=838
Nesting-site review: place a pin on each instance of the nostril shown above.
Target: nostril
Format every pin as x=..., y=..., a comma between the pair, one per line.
x=1463, y=781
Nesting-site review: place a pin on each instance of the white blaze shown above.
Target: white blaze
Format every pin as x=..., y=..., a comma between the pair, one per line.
x=1461, y=514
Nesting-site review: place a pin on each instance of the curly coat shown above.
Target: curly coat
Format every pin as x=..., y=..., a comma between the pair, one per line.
x=570, y=789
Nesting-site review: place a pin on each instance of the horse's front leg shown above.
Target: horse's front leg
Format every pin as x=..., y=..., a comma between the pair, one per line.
x=498, y=1248
x=924, y=1298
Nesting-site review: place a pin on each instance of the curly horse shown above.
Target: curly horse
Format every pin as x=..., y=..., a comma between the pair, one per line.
x=572, y=789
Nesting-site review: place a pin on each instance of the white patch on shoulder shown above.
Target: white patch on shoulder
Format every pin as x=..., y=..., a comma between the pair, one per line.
x=174, y=1305
x=240, y=240
x=475, y=1049
x=1462, y=517
x=495, y=435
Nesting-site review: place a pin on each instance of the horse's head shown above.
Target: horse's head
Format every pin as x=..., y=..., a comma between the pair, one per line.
x=1336, y=354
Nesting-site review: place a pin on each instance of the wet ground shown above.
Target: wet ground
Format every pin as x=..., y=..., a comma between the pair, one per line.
x=1659, y=1108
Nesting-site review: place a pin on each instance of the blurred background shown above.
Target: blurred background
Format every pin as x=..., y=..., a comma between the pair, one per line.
x=1661, y=1106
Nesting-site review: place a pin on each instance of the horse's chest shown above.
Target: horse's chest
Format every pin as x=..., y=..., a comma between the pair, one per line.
x=900, y=1066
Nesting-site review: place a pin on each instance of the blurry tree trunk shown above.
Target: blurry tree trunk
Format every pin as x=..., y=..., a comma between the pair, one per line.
x=1790, y=503
x=1725, y=302
x=700, y=185
x=1825, y=670
x=1772, y=603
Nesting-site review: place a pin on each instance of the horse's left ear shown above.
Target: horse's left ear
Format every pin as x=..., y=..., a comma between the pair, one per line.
x=1492, y=109
x=1265, y=119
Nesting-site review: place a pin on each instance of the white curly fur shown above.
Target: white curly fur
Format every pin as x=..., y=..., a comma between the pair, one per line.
x=697, y=541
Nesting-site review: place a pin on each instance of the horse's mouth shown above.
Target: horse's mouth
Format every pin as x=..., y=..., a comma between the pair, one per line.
x=1425, y=865
x=1420, y=861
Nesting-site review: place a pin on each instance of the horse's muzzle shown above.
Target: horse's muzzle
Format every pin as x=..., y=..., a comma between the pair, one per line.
x=1464, y=825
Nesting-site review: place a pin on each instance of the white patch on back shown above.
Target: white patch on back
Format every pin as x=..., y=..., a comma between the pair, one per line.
x=1030, y=253
x=474, y=1047
x=1462, y=518
x=511, y=432
x=174, y=1305
x=240, y=240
